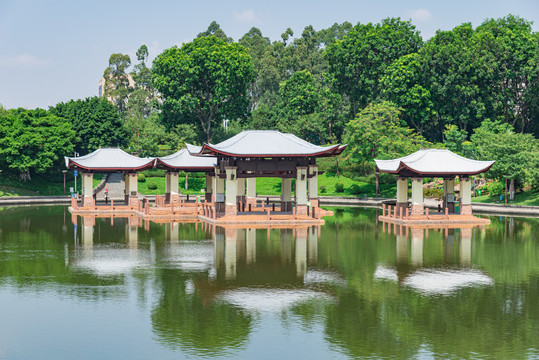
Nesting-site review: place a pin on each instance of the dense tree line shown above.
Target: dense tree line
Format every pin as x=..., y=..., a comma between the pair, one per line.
x=379, y=87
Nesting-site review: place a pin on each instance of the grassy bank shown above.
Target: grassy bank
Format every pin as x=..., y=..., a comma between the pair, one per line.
x=528, y=198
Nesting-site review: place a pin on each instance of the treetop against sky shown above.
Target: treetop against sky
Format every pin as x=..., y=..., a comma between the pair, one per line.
x=54, y=51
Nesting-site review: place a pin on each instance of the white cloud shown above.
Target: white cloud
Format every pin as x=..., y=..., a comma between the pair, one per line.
x=246, y=16
x=418, y=14
x=25, y=59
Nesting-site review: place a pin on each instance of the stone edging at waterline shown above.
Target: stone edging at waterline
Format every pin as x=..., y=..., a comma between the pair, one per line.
x=324, y=200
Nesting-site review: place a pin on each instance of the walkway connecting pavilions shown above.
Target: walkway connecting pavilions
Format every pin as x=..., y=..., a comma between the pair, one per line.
x=109, y=160
x=432, y=163
x=265, y=153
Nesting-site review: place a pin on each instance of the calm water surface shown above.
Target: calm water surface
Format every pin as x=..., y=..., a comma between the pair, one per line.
x=353, y=288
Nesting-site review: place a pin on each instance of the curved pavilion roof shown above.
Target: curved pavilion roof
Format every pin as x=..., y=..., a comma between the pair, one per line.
x=433, y=162
x=109, y=160
x=184, y=161
x=267, y=143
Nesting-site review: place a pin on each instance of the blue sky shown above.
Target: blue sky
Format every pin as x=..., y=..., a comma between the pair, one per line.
x=53, y=51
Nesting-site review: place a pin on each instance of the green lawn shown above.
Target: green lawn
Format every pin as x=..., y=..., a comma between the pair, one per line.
x=530, y=198
x=39, y=185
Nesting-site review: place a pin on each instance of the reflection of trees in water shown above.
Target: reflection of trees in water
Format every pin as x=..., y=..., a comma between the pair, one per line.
x=182, y=320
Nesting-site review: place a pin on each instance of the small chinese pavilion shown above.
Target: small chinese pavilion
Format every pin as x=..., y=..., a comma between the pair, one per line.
x=433, y=163
x=184, y=161
x=109, y=160
x=264, y=153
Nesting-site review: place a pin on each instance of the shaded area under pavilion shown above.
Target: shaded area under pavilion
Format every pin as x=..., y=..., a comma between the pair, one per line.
x=263, y=153
x=432, y=163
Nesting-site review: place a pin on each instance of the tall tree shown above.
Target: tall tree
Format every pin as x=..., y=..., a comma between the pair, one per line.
x=117, y=85
x=359, y=60
x=377, y=133
x=141, y=73
x=96, y=123
x=204, y=82
x=214, y=29
x=34, y=141
x=512, y=50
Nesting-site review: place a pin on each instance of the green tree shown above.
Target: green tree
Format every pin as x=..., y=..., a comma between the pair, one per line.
x=359, y=60
x=516, y=154
x=377, y=133
x=117, y=85
x=215, y=30
x=404, y=83
x=141, y=73
x=512, y=50
x=34, y=141
x=204, y=82
x=96, y=123
x=454, y=138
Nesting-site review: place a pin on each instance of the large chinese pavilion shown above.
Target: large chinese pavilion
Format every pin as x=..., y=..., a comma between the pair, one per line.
x=264, y=153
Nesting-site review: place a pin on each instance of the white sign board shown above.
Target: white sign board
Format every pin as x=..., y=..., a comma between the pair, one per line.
x=450, y=198
x=220, y=197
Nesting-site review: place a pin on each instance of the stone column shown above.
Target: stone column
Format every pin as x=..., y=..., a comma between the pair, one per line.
x=88, y=189
x=251, y=192
x=465, y=196
x=449, y=195
x=241, y=190
x=301, y=190
x=313, y=185
x=174, y=186
x=131, y=189
x=402, y=194
x=286, y=194
x=417, y=196
x=231, y=191
x=219, y=191
x=209, y=188
x=167, y=186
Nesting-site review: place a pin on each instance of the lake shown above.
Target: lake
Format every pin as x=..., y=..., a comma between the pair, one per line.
x=352, y=288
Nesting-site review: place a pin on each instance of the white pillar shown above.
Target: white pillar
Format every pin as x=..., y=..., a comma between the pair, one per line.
x=465, y=196
x=131, y=188
x=313, y=185
x=251, y=192
x=286, y=194
x=301, y=190
x=231, y=190
x=88, y=189
x=402, y=194
x=209, y=188
x=174, y=186
x=417, y=196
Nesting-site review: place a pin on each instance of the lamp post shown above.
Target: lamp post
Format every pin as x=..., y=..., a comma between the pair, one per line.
x=505, y=197
x=65, y=172
x=377, y=173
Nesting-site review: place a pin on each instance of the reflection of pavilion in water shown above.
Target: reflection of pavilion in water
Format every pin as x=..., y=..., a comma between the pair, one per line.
x=413, y=267
x=239, y=263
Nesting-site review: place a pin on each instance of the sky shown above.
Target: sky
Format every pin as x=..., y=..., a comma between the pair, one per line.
x=54, y=51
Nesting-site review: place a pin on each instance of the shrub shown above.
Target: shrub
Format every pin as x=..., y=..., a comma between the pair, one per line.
x=322, y=189
x=141, y=178
x=339, y=187
x=152, y=185
x=494, y=188
x=355, y=189
x=434, y=193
